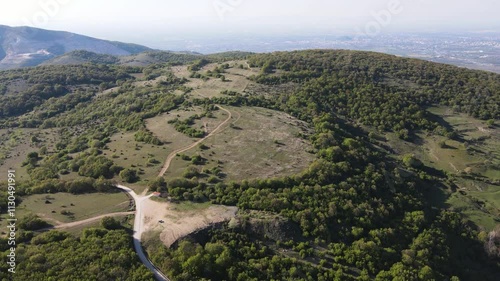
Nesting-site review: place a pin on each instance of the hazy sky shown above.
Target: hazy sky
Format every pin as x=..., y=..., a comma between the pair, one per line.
x=151, y=20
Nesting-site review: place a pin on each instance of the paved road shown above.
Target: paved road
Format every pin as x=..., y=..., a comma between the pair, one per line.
x=138, y=230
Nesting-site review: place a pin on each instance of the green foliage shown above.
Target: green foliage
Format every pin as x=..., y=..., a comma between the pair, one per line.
x=110, y=223
x=186, y=128
x=95, y=167
x=98, y=254
x=380, y=90
x=147, y=137
x=199, y=64
x=159, y=185
x=411, y=161
x=32, y=222
x=51, y=81
x=191, y=172
x=90, y=57
x=129, y=175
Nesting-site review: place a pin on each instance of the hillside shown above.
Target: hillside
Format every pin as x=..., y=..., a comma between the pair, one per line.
x=342, y=165
x=27, y=46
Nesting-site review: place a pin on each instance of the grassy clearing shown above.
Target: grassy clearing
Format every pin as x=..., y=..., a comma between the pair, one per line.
x=245, y=71
x=78, y=207
x=148, y=158
x=236, y=80
x=126, y=220
x=259, y=143
x=468, y=206
x=190, y=206
x=213, y=86
x=474, y=154
x=16, y=144
x=126, y=152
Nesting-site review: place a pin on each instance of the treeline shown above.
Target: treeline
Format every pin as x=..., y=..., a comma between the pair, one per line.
x=76, y=186
x=198, y=65
x=17, y=104
x=172, y=57
x=91, y=57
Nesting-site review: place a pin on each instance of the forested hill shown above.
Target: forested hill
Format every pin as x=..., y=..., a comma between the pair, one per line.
x=382, y=199
x=364, y=84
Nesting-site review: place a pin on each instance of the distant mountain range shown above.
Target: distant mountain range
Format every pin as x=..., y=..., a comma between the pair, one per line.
x=28, y=46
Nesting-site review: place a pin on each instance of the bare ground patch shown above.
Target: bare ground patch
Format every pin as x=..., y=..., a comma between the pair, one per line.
x=179, y=221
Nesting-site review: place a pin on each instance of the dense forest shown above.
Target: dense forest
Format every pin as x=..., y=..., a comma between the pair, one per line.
x=359, y=214
x=98, y=254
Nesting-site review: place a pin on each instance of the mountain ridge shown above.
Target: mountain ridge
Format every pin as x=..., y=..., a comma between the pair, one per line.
x=28, y=46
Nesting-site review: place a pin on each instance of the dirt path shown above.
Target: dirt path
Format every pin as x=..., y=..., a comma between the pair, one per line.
x=237, y=119
x=87, y=221
x=172, y=155
x=431, y=153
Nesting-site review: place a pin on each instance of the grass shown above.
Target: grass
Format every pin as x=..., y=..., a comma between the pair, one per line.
x=126, y=152
x=260, y=143
x=16, y=144
x=190, y=206
x=84, y=206
x=472, y=211
x=235, y=81
x=476, y=153
x=483, y=142
x=126, y=220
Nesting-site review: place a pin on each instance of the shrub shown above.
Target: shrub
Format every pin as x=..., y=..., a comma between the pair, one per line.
x=129, y=175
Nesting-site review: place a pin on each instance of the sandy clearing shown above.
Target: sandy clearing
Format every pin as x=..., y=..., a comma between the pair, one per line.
x=178, y=224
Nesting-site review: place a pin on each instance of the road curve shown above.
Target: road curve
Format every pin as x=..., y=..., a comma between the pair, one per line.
x=172, y=155
x=138, y=230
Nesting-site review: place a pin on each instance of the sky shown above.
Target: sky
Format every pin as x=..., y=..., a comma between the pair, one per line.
x=149, y=21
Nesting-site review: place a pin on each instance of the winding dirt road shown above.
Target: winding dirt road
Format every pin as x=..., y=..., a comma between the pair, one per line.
x=172, y=155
